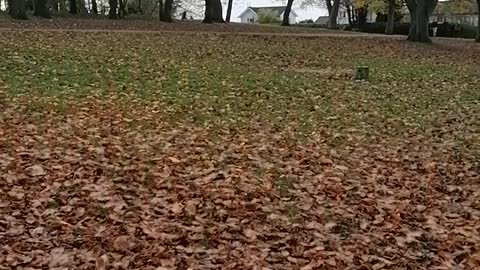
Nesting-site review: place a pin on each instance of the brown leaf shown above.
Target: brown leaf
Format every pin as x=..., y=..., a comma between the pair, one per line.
x=35, y=170
x=121, y=243
x=250, y=234
x=190, y=208
x=174, y=159
x=101, y=262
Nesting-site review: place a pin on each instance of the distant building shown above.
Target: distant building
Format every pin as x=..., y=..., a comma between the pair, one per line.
x=342, y=18
x=466, y=15
x=250, y=14
x=322, y=20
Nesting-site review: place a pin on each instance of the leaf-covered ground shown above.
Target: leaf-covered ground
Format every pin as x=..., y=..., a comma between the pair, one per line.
x=198, y=151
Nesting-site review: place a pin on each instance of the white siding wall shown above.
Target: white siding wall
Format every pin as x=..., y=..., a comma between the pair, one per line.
x=249, y=16
x=342, y=17
x=292, y=19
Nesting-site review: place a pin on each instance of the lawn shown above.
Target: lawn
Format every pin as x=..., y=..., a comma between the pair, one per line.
x=189, y=150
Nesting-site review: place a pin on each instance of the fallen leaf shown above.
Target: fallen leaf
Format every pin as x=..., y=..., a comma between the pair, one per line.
x=101, y=262
x=35, y=170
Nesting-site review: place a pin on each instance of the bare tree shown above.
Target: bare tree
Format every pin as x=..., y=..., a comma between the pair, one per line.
x=112, y=12
x=16, y=9
x=332, y=19
x=94, y=7
x=390, y=17
x=73, y=7
x=286, y=13
x=229, y=10
x=41, y=9
x=213, y=12
x=329, y=6
x=167, y=12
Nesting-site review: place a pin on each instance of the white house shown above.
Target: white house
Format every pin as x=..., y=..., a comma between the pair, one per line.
x=249, y=15
x=342, y=18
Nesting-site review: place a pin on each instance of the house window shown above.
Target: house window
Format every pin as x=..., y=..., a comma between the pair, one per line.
x=250, y=20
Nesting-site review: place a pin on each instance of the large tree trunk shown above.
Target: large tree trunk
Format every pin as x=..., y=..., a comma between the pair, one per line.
x=332, y=20
x=167, y=12
x=213, y=12
x=229, y=10
x=286, y=13
x=41, y=9
x=73, y=7
x=390, y=17
x=420, y=11
x=217, y=11
x=478, y=26
x=421, y=32
x=329, y=7
x=412, y=9
x=16, y=9
x=112, y=13
x=94, y=7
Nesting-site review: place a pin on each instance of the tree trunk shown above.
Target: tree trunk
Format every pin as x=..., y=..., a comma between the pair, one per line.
x=54, y=4
x=41, y=9
x=362, y=14
x=229, y=10
x=160, y=10
x=82, y=8
x=421, y=33
x=94, y=7
x=390, y=17
x=62, y=7
x=217, y=11
x=349, y=14
x=332, y=20
x=329, y=7
x=112, y=13
x=121, y=9
x=16, y=9
x=167, y=11
x=11, y=7
x=412, y=9
x=420, y=11
x=286, y=13
x=213, y=12
x=478, y=26
x=73, y=7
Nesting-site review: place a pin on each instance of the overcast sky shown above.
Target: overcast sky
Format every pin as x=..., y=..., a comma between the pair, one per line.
x=306, y=13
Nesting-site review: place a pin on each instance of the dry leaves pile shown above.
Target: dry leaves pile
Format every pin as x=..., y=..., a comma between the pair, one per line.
x=109, y=184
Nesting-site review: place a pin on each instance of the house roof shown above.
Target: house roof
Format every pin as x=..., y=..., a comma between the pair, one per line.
x=322, y=20
x=277, y=10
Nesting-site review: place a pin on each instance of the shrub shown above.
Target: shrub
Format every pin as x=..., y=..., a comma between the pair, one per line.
x=267, y=17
